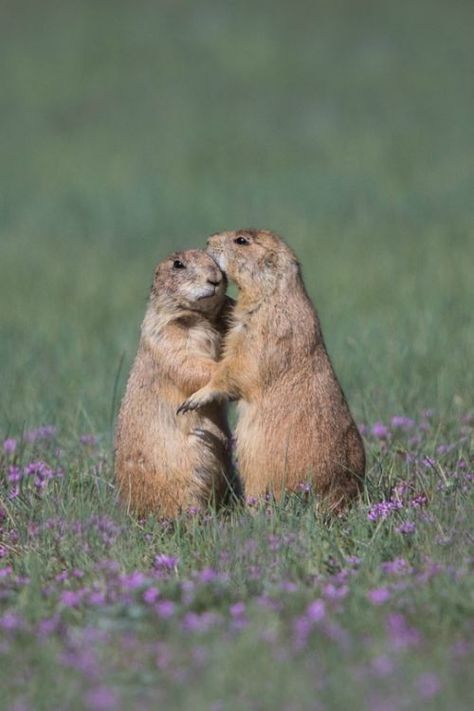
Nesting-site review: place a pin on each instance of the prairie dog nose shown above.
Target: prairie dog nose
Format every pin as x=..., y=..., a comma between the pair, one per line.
x=215, y=280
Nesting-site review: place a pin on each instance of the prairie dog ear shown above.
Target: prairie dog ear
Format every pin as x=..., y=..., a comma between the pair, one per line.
x=157, y=273
x=158, y=279
x=271, y=259
x=154, y=287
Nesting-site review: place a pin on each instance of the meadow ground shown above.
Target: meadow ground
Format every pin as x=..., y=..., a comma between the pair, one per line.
x=130, y=129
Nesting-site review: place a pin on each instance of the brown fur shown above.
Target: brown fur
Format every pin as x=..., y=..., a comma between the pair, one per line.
x=166, y=464
x=294, y=422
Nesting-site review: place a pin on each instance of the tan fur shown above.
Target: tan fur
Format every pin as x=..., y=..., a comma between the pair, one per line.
x=294, y=422
x=165, y=464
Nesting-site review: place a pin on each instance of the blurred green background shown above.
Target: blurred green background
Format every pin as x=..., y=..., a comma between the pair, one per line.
x=128, y=129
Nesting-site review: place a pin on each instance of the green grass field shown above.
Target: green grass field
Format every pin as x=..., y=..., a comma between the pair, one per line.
x=128, y=130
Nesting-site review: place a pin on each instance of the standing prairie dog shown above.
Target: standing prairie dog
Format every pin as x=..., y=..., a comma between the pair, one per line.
x=294, y=422
x=165, y=464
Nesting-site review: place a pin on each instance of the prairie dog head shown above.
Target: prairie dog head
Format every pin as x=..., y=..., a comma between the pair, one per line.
x=254, y=259
x=189, y=280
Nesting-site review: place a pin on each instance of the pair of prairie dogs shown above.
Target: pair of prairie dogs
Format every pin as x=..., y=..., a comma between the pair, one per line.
x=198, y=350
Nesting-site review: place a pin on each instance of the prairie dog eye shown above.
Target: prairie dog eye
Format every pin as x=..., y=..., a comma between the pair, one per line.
x=241, y=240
x=177, y=264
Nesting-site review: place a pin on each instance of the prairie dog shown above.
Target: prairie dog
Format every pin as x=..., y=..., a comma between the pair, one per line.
x=294, y=422
x=165, y=464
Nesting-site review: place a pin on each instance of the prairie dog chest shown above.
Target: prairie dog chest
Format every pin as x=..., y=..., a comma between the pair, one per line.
x=244, y=336
x=203, y=340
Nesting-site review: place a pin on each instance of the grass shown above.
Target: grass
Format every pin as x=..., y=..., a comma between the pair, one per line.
x=127, y=130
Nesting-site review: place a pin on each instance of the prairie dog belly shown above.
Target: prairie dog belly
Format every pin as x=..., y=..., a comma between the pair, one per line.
x=250, y=457
x=264, y=449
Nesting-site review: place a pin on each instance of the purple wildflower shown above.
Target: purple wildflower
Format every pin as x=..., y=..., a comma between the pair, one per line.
x=380, y=431
x=187, y=592
x=71, y=598
x=208, y=575
x=316, y=611
x=9, y=445
x=165, y=609
x=419, y=501
x=194, y=622
x=14, y=474
x=288, y=586
x=353, y=560
x=41, y=473
x=10, y=622
x=406, y=528
x=237, y=609
x=444, y=448
x=398, y=566
x=379, y=596
x=428, y=462
x=134, y=580
x=428, y=685
x=400, y=422
x=151, y=595
x=97, y=598
x=45, y=432
x=165, y=563
x=48, y=626
x=333, y=592
x=400, y=489
x=383, y=509
x=14, y=491
x=301, y=630
x=401, y=634
x=88, y=440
